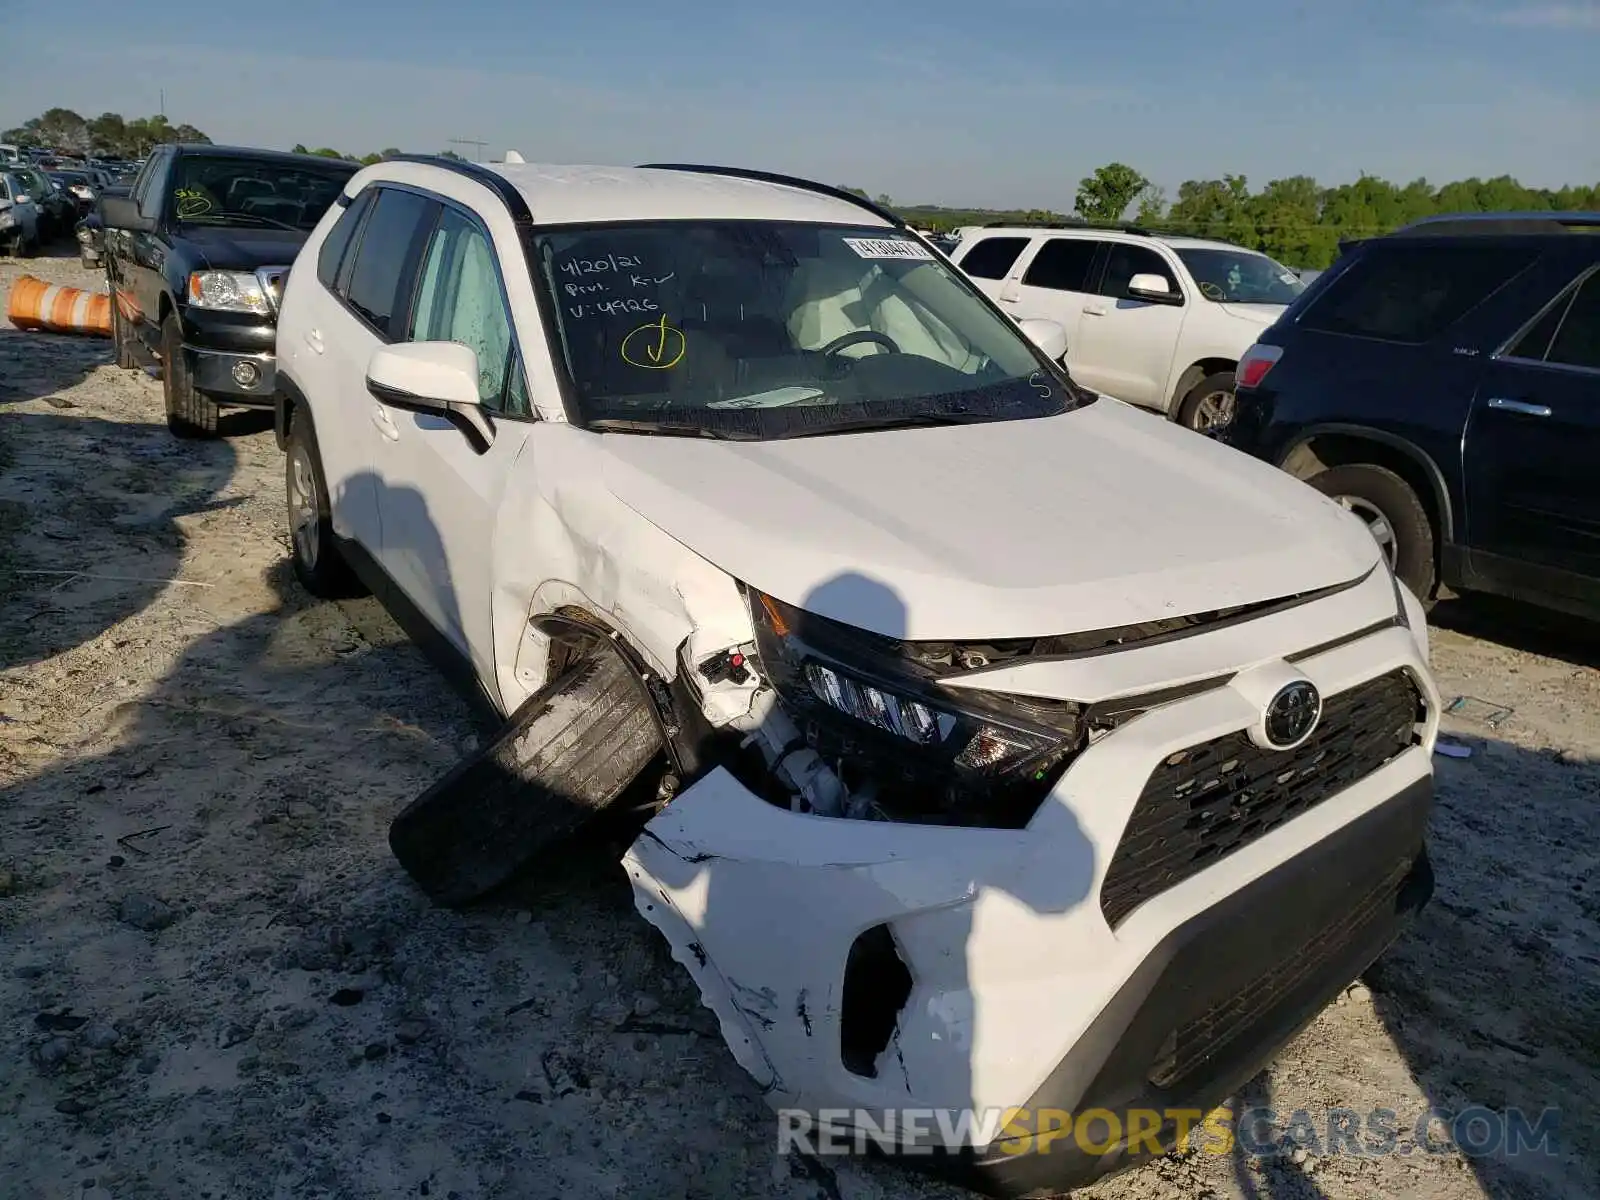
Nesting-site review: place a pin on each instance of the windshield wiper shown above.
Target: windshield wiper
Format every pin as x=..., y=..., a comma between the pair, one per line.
x=668, y=428
x=867, y=424
x=237, y=218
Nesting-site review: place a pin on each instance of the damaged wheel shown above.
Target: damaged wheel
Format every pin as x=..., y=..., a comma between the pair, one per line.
x=560, y=760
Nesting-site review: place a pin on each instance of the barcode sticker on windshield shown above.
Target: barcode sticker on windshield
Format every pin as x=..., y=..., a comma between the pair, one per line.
x=889, y=248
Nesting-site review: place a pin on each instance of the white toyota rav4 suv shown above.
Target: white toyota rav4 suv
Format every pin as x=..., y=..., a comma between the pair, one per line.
x=1157, y=321
x=1006, y=752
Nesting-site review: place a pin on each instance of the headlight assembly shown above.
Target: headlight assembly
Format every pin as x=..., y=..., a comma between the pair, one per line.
x=926, y=751
x=228, y=291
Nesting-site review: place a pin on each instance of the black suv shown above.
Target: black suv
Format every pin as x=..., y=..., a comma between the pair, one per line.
x=1443, y=382
x=196, y=256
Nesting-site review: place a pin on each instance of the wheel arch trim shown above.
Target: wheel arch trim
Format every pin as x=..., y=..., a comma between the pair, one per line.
x=1391, y=441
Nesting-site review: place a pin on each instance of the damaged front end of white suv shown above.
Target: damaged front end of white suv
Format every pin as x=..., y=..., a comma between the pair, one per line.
x=1024, y=755
x=1030, y=874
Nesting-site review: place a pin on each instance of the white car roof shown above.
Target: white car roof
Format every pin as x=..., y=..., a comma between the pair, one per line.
x=565, y=194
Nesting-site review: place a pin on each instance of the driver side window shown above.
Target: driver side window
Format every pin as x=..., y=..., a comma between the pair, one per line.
x=1127, y=261
x=460, y=299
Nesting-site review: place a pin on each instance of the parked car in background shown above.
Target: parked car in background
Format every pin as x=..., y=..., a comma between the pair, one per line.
x=1154, y=320
x=196, y=256
x=19, y=216
x=1026, y=750
x=78, y=186
x=1443, y=383
x=58, y=211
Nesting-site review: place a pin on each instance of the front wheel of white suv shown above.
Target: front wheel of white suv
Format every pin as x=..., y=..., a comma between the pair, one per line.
x=318, y=564
x=1209, y=405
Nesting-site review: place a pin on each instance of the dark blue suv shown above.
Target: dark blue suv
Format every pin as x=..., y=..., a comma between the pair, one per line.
x=1443, y=382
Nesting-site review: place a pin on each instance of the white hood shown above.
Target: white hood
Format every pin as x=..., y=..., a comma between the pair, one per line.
x=1259, y=314
x=1101, y=517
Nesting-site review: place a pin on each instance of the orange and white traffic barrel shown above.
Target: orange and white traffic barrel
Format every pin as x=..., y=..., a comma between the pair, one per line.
x=36, y=304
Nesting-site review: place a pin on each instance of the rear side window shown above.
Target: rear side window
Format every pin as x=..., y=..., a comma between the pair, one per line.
x=338, y=239
x=993, y=257
x=1062, y=265
x=1577, y=342
x=1411, y=294
x=386, y=260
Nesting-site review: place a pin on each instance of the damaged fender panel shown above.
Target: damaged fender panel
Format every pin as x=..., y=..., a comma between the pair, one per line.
x=565, y=541
x=762, y=906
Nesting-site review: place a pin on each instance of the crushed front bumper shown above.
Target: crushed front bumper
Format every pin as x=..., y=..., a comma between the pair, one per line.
x=1000, y=972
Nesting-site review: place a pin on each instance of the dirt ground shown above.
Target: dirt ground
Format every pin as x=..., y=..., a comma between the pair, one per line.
x=215, y=982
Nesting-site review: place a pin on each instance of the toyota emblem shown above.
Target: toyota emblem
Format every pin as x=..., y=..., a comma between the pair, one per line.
x=1292, y=714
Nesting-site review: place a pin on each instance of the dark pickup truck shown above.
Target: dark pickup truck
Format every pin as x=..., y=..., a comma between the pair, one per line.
x=196, y=256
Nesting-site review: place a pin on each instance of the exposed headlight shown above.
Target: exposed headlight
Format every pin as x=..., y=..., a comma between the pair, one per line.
x=7, y=220
x=865, y=705
x=228, y=291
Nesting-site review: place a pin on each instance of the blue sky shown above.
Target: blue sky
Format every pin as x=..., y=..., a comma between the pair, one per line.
x=1003, y=102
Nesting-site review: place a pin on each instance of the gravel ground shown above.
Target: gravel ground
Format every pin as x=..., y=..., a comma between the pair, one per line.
x=215, y=982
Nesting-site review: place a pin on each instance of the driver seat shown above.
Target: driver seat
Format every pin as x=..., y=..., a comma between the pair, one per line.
x=832, y=297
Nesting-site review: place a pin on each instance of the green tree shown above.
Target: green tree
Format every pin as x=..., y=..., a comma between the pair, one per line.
x=1152, y=205
x=1106, y=195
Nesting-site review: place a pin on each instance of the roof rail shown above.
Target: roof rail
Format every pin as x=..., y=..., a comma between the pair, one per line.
x=1488, y=224
x=807, y=185
x=497, y=183
x=1110, y=226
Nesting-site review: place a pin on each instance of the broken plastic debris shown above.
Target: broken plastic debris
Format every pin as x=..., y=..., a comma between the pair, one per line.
x=1452, y=750
x=1485, y=711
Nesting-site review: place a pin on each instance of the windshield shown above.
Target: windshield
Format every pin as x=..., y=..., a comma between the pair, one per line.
x=1241, y=276
x=255, y=192
x=771, y=329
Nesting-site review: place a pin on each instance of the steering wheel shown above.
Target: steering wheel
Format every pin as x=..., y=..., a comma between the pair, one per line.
x=1212, y=291
x=861, y=337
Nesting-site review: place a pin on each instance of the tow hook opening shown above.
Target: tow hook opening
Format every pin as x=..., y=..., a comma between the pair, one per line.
x=877, y=984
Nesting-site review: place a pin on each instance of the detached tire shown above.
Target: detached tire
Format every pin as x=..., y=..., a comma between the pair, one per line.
x=1209, y=404
x=560, y=760
x=190, y=414
x=314, y=553
x=1394, y=513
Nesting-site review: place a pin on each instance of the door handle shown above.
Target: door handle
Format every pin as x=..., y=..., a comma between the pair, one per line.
x=1519, y=406
x=1010, y=299
x=1094, y=310
x=314, y=340
x=384, y=423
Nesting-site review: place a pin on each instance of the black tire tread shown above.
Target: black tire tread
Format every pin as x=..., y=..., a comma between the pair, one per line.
x=1416, y=543
x=331, y=577
x=190, y=413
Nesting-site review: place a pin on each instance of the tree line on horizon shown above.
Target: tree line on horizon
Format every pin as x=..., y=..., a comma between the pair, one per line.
x=1296, y=220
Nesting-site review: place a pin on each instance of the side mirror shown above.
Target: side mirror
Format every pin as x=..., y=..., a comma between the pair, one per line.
x=119, y=212
x=1049, y=336
x=435, y=379
x=1156, y=288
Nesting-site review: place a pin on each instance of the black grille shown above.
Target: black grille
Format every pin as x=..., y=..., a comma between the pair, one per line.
x=1197, y=1042
x=1203, y=803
